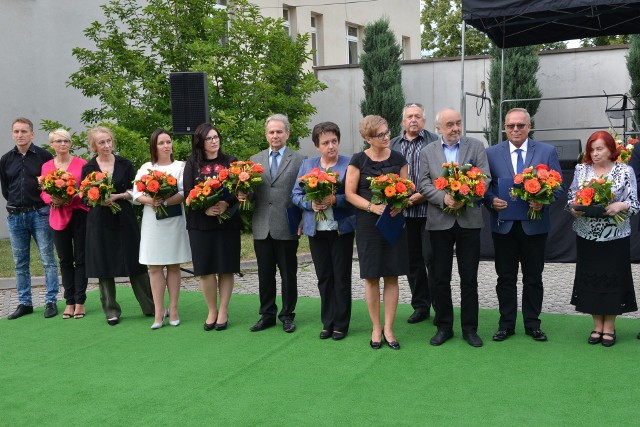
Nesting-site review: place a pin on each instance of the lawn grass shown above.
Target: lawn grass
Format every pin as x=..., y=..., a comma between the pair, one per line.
x=7, y=267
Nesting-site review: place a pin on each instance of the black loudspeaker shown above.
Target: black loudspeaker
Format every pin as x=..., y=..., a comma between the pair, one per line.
x=568, y=152
x=189, y=101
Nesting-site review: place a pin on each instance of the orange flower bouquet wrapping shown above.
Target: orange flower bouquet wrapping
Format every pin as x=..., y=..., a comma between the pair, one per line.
x=96, y=188
x=206, y=194
x=390, y=189
x=157, y=184
x=465, y=183
x=597, y=192
x=58, y=183
x=242, y=177
x=318, y=185
x=537, y=185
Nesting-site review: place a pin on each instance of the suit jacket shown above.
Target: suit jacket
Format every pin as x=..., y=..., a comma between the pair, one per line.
x=343, y=211
x=273, y=196
x=431, y=159
x=502, y=167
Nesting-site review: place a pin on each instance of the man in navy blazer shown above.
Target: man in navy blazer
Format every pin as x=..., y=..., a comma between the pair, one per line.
x=519, y=242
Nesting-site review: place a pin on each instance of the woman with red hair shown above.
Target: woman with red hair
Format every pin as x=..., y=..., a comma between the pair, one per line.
x=603, y=285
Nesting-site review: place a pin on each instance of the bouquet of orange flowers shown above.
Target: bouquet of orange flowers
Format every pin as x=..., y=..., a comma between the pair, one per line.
x=390, y=189
x=318, y=185
x=537, y=185
x=157, y=184
x=206, y=194
x=96, y=188
x=58, y=183
x=242, y=177
x=597, y=192
x=465, y=183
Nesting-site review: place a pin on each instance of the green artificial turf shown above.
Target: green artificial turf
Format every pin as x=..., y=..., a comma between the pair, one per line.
x=84, y=372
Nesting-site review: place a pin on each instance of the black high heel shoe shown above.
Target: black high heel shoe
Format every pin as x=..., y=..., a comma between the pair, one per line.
x=210, y=326
x=375, y=344
x=222, y=326
x=395, y=345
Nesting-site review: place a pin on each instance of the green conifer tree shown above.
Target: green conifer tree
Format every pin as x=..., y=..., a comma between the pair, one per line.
x=633, y=65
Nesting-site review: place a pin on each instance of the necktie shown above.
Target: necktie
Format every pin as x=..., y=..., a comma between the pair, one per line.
x=274, y=163
x=519, y=161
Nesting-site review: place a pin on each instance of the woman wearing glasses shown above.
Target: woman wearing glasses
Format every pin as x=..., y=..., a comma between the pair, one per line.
x=377, y=258
x=215, y=244
x=68, y=220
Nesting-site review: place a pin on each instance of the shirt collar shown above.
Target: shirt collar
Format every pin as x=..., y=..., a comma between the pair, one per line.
x=445, y=145
x=523, y=147
x=281, y=151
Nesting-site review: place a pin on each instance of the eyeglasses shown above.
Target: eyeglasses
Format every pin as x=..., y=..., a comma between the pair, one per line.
x=212, y=138
x=383, y=135
x=518, y=125
x=62, y=141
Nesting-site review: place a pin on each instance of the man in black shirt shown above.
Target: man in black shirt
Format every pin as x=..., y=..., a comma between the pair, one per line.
x=28, y=216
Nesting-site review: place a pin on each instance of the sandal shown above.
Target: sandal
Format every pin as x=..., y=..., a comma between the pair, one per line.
x=67, y=315
x=608, y=342
x=79, y=316
x=595, y=340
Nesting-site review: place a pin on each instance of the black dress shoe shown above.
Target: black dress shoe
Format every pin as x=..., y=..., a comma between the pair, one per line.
x=595, y=340
x=337, y=335
x=441, y=337
x=473, y=339
x=288, y=326
x=503, y=334
x=324, y=334
x=536, y=334
x=21, y=311
x=418, y=316
x=608, y=342
x=394, y=345
x=114, y=321
x=51, y=310
x=263, y=324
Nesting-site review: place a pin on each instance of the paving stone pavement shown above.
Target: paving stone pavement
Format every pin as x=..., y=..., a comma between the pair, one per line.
x=558, y=281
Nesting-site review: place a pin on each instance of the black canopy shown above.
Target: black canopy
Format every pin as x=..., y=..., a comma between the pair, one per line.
x=511, y=23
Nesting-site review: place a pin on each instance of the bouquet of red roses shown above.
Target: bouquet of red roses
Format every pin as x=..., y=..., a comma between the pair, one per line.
x=597, y=192
x=96, y=188
x=465, y=183
x=537, y=185
x=242, y=177
x=318, y=185
x=58, y=183
x=157, y=184
x=206, y=194
x=390, y=189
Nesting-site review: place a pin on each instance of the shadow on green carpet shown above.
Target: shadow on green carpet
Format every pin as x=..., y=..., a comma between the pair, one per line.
x=84, y=372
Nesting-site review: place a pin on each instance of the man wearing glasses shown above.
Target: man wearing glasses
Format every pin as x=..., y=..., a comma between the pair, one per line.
x=28, y=216
x=518, y=240
x=448, y=229
x=414, y=138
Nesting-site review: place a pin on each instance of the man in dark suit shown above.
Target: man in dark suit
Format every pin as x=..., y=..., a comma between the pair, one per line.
x=448, y=229
x=414, y=138
x=518, y=242
x=273, y=243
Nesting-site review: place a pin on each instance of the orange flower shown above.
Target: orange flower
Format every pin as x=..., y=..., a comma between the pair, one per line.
x=390, y=191
x=440, y=183
x=313, y=182
x=71, y=191
x=206, y=190
x=59, y=183
x=157, y=174
x=517, y=179
x=140, y=186
x=235, y=170
x=223, y=174
x=331, y=179
x=532, y=186
x=99, y=176
x=455, y=185
x=214, y=183
x=244, y=176
x=400, y=187
x=171, y=180
x=480, y=188
x=93, y=193
x=257, y=168
x=543, y=174
x=464, y=189
x=381, y=178
x=586, y=201
x=555, y=175
x=527, y=170
x=541, y=167
x=551, y=182
x=153, y=186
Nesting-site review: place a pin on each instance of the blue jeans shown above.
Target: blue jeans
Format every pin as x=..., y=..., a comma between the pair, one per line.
x=23, y=226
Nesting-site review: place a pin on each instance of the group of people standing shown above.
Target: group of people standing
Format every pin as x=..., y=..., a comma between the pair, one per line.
x=95, y=242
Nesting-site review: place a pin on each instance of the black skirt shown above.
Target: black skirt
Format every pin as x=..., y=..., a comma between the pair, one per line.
x=215, y=251
x=603, y=282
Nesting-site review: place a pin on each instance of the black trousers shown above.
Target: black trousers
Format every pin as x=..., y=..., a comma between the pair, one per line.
x=512, y=250
x=272, y=253
x=420, y=263
x=467, y=244
x=71, y=248
x=332, y=255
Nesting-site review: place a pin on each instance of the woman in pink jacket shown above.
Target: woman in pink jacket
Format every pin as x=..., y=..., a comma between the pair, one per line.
x=68, y=223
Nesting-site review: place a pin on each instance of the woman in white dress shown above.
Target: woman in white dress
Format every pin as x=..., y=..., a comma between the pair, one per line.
x=164, y=242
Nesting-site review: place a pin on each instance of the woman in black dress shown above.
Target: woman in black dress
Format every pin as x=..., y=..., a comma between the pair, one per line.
x=113, y=240
x=376, y=256
x=215, y=246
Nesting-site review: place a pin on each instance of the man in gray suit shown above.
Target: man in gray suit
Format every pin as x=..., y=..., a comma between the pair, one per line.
x=447, y=229
x=414, y=138
x=273, y=243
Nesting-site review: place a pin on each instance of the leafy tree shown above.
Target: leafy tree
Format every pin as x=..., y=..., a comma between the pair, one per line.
x=441, y=36
x=253, y=68
x=380, y=64
x=521, y=65
x=604, y=41
x=633, y=65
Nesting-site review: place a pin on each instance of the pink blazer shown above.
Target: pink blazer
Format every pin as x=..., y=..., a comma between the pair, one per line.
x=59, y=217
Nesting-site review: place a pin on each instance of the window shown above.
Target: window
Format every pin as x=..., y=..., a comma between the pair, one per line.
x=314, y=39
x=352, y=44
x=406, y=47
x=287, y=20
